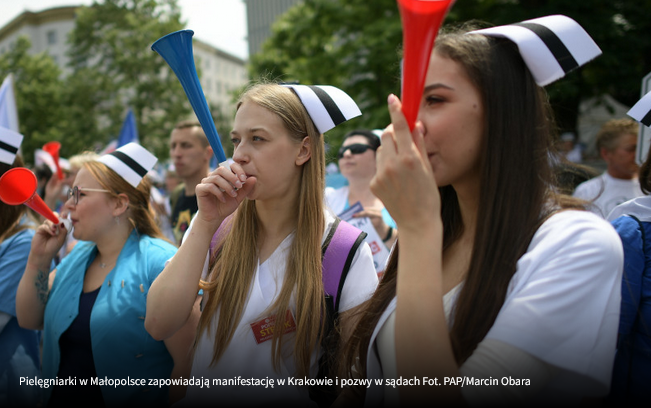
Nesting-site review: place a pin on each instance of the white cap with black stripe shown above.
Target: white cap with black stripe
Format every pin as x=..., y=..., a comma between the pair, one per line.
x=328, y=106
x=551, y=46
x=131, y=162
x=9, y=144
x=641, y=111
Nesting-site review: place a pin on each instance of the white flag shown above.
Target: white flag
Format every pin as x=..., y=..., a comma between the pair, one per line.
x=8, y=110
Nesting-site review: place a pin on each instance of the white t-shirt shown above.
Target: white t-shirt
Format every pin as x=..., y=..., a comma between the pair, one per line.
x=246, y=359
x=606, y=192
x=561, y=307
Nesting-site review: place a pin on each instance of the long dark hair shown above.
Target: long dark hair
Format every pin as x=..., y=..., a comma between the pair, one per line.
x=516, y=195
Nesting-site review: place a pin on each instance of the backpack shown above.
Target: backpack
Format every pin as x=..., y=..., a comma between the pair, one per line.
x=337, y=252
x=632, y=366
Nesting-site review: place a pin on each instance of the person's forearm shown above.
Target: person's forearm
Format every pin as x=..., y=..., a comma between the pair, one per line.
x=172, y=295
x=423, y=347
x=32, y=293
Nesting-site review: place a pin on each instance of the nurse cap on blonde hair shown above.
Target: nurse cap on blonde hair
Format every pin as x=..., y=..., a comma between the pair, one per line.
x=327, y=105
x=9, y=144
x=551, y=46
x=131, y=162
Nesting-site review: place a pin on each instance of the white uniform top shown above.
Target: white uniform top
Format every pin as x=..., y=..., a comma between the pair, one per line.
x=606, y=192
x=561, y=307
x=249, y=360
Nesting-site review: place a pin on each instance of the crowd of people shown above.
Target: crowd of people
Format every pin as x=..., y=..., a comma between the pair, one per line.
x=453, y=254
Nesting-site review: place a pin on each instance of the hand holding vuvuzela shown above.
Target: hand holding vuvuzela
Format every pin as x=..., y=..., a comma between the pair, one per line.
x=18, y=186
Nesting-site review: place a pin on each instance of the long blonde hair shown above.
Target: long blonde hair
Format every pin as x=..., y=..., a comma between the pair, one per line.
x=236, y=258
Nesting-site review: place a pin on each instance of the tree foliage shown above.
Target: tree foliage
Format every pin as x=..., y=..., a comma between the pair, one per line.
x=114, y=69
x=350, y=44
x=355, y=44
x=39, y=95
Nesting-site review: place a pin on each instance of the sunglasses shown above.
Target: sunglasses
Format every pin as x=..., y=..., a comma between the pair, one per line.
x=74, y=192
x=357, y=148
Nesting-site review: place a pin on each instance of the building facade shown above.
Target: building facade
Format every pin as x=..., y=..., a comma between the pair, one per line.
x=219, y=72
x=47, y=30
x=260, y=16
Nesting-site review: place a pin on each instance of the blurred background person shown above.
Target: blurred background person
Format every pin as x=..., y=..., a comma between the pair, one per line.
x=190, y=152
x=570, y=148
x=616, y=143
x=357, y=164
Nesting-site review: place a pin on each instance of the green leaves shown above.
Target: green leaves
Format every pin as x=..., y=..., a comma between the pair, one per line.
x=354, y=44
x=350, y=44
x=39, y=94
x=115, y=69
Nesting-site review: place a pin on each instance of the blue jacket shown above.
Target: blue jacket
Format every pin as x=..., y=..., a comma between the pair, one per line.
x=632, y=370
x=121, y=346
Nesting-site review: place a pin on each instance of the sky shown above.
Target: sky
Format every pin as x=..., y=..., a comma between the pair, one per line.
x=220, y=23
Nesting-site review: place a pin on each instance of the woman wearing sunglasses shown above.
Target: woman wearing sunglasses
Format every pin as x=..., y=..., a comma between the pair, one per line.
x=357, y=163
x=91, y=307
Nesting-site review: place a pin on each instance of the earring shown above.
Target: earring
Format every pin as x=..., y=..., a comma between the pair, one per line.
x=117, y=220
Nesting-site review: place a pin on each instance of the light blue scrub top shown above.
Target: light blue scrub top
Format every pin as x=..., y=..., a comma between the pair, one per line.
x=122, y=348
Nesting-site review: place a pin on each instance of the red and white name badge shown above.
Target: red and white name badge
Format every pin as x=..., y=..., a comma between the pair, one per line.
x=263, y=330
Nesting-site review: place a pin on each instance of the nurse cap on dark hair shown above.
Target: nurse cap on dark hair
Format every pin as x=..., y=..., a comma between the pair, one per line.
x=327, y=105
x=9, y=144
x=551, y=46
x=131, y=162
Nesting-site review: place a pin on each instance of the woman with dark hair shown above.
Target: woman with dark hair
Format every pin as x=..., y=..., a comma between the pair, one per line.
x=92, y=307
x=19, y=347
x=357, y=163
x=496, y=278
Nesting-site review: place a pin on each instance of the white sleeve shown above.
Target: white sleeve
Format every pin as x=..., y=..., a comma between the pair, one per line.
x=361, y=280
x=562, y=304
x=493, y=361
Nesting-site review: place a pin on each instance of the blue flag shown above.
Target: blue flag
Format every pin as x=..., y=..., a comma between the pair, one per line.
x=129, y=131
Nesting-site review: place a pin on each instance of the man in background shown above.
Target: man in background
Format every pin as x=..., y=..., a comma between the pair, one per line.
x=616, y=143
x=190, y=152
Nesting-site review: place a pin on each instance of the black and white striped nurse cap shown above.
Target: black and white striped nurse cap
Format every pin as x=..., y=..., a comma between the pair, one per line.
x=131, y=162
x=641, y=111
x=9, y=144
x=328, y=106
x=551, y=46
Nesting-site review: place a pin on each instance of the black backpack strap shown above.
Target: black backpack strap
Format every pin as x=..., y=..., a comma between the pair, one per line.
x=338, y=251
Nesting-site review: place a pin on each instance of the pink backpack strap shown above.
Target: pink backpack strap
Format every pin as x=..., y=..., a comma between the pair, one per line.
x=339, y=252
